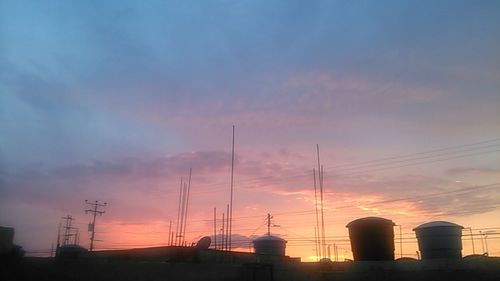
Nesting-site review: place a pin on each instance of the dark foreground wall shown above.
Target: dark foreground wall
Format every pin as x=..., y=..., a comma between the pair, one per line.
x=51, y=270
x=48, y=269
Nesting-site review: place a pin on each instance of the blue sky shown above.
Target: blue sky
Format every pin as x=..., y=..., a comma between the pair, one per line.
x=97, y=93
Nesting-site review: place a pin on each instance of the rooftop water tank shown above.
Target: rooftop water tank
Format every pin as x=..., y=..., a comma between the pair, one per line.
x=372, y=239
x=439, y=240
x=269, y=245
x=6, y=239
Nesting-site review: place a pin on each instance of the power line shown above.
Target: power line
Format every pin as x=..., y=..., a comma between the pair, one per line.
x=379, y=160
x=464, y=189
x=376, y=166
x=419, y=163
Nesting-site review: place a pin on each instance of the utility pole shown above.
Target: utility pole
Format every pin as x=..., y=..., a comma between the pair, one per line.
x=94, y=210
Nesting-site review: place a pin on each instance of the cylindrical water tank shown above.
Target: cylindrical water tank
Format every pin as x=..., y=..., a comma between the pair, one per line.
x=269, y=245
x=372, y=239
x=439, y=240
x=6, y=240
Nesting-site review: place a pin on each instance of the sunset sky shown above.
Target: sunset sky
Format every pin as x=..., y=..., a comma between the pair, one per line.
x=115, y=101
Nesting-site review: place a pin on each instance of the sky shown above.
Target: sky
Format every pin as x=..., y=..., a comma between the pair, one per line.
x=116, y=100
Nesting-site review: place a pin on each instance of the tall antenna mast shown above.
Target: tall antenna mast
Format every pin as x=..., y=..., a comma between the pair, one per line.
x=316, y=244
x=269, y=217
x=230, y=214
x=320, y=178
x=58, y=236
x=183, y=208
x=169, y=233
x=75, y=241
x=215, y=228
x=67, y=229
x=317, y=239
x=178, y=216
x=322, y=209
x=94, y=211
x=228, y=243
x=187, y=202
x=222, y=247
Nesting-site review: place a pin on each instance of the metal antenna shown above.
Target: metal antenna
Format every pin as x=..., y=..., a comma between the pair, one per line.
x=320, y=178
x=67, y=229
x=187, y=203
x=228, y=245
x=269, y=217
x=75, y=241
x=183, y=207
x=169, y=233
x=317, y=239
x=230, y=213
x=178, y=215
x=215, y=228
x=316, y=244
x=94, y=211
x=322, y=211
x=58, y=236
x=223, y=236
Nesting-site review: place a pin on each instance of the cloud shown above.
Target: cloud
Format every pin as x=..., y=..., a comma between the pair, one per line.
x=279, y=172
x=162, y=167
x=116, y=181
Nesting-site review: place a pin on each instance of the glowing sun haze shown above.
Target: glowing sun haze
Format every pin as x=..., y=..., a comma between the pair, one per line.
x=115, y=101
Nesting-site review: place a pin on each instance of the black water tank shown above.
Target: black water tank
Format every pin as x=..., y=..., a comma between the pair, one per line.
x=372, y=239
x=269, y=245
x=439, y=240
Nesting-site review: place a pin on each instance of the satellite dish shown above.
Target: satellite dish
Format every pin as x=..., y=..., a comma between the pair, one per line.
x=203, y=243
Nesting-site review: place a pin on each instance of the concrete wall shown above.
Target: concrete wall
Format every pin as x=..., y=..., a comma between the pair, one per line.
x=45, y=269
x=187, y=254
